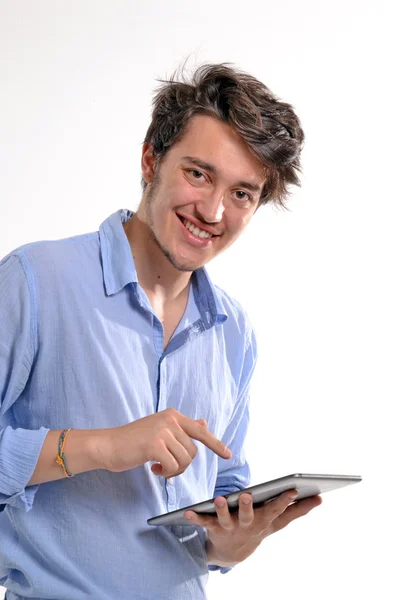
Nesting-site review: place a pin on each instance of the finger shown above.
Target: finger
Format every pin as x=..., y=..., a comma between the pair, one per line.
x=186, y=442
x=167, y=463
x=209, y=522
x=182, y=458
x=159, y=470
x=295, y=511
x=199, y=432
x=156, y=468
x=246, y=511
x=224, y=516
x=274, y=508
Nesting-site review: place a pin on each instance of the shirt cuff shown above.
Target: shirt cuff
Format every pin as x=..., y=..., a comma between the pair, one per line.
x=222, y=570
x=20, y=450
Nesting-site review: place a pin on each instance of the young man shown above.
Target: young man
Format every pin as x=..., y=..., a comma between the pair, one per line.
x=124, y=373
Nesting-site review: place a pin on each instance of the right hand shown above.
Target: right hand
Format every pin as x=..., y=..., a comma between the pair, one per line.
x=165, y=438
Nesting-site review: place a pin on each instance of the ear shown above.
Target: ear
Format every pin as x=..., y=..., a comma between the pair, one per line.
x=148, y=162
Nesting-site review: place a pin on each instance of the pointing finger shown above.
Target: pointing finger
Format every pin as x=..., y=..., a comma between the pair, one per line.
x=199, y=432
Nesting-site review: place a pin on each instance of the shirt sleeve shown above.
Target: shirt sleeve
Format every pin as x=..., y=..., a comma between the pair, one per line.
x=234, y=474
x=19, y=448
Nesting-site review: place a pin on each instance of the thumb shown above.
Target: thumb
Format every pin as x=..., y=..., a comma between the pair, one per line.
x=202, y=422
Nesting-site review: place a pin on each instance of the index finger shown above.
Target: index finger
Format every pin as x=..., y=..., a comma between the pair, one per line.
x=200, y=432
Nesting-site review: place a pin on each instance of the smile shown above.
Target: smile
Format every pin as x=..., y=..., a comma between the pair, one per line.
x=200, y=233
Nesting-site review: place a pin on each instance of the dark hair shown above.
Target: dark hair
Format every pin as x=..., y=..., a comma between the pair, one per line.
x=269, y=127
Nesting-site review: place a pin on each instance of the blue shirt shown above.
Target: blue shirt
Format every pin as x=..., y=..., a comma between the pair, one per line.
x=81, y=347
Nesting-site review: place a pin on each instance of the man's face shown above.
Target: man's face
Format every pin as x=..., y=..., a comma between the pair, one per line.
x=203, y=193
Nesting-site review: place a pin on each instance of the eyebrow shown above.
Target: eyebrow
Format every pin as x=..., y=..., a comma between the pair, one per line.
x=211, y=169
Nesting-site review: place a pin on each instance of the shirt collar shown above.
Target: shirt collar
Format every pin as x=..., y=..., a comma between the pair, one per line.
x=119, y=268
x=118, y=264
x=208, y=298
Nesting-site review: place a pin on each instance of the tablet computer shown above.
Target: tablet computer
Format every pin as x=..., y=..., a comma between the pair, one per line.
x=307, y=485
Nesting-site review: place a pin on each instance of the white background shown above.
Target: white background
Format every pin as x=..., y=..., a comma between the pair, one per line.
x=320, y=282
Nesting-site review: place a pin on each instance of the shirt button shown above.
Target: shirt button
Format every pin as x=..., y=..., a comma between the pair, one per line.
x=170, y=480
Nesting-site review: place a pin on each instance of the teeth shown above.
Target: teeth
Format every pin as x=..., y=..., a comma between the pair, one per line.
x=196, y=231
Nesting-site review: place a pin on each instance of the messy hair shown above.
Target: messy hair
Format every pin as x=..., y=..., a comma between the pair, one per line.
x=269, y=127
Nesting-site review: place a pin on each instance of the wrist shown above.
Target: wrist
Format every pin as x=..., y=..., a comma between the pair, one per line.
x=84, y=450
x=100, y=449
x=118, y=449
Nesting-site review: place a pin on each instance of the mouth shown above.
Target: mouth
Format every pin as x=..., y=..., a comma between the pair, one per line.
x=195, y=230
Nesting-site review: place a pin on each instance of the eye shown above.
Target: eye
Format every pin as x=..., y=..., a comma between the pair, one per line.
x=242, y=196
x=196, y=174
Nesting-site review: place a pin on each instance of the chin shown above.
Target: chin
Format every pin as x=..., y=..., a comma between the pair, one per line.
x=182, y=263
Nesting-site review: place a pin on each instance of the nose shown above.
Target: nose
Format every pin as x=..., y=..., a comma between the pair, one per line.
x=211, y=209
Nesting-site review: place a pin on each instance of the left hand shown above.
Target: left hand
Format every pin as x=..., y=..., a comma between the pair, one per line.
x=232, y=537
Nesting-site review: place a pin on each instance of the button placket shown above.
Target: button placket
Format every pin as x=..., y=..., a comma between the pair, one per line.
x=170, y=485
x=161, y=403
x=171, y=493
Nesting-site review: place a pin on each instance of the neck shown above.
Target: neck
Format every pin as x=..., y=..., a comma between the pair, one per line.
x=156, y=274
